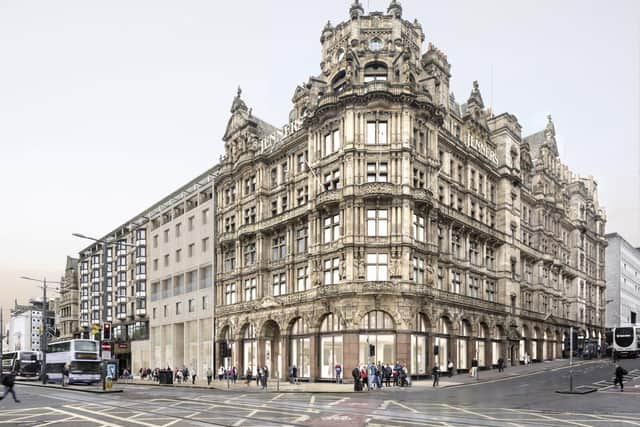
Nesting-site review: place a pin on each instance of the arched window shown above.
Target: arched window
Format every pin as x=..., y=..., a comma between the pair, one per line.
x=421, y=323
x=463, y=345
x=250, y=348
x=330, y=323
x=299, y=327
x=250, y=332
x=339, y=81
x=419, y=356
x=339, y=55
x=376, y=320
x=375, y=71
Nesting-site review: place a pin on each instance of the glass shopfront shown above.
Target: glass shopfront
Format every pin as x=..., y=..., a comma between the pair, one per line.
x=419, y=360
x=250, y=348
x=375, y=345
x=300, y=348
x=330, y=346
x=441, y=343
x=463, y=345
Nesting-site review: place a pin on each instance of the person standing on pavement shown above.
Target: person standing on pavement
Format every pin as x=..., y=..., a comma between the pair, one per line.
x=294, y=374
x=355, y=373
x=620, y=372
x=474, y=368
x=500, y=364
x=435, y=372
x=65, y=375
x=209, y=375
x=193, y=375
x=450, y=368
x=338, y=373
x=8, y=381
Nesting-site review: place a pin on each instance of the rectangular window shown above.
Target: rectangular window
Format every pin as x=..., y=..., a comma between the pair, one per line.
x=278, y=248
x=418, y=179
x=205, y=302
x=179, y=307
x=377, y=172
x=190, y=222
x=250, y=185
x=166, y=260
x=301, y=240
x=456, y=245
x=474, y=284
x=377, y=222
x=155, y=241
x=376, y=133
x=302, y=162
x=230, y=293
x=491, y=290
x=303, y=278
x=249, y=251
x=165, y=310
x=279, y=284
x=418, y=270
x=230, y=224
x=332, y=180
x=332, y=271
x=250, y=289
x=331, y=228
x=285, y=171
x=230, y=260
x=418, y=228
x=302, y=195
x=166, y=235
x=178, y=255
x=274, y=177
x=205, y=244
x=377, y=267
x=190, y=249
x=154, y=312
x=331, y=142
x=455, y=282
x=205, y=216
x=191, y=305
x=250, y=215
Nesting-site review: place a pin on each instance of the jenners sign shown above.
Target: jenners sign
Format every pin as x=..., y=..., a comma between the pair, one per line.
x=482, y=148
x=277, y=136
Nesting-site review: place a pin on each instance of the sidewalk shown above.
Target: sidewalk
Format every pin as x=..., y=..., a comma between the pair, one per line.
x=326, y=387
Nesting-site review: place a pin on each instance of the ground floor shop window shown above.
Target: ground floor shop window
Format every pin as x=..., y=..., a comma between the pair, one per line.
x=250, y=348
x=331, y=355
x=462, y=353
x=377, y=348
x=441, y=347
x=300, y=348
x=418, y=354
x=480, y=353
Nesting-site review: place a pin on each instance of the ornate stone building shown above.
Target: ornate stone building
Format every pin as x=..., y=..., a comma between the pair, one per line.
x=68, y=303
x=386, y=222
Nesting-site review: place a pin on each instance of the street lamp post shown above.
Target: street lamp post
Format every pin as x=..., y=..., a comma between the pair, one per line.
x=45, y=329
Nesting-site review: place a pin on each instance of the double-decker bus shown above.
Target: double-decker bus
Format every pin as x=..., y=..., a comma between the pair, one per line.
x=82, y=357
x=22, y=364
x=626, y=340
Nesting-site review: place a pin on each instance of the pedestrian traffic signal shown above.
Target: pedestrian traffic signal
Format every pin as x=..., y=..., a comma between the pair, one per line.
x=106, y=331
x=372, y=350
x=435, y=350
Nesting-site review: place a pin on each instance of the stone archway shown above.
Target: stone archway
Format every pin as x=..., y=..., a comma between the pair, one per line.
x=270, y=348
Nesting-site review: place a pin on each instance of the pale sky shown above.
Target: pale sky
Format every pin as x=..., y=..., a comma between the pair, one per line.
x=106, y=107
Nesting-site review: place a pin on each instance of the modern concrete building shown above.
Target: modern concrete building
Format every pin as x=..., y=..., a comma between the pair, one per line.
x=181, y=277
x=623, y=282
x=67, y=304
x=26, y=326
x=388, y=222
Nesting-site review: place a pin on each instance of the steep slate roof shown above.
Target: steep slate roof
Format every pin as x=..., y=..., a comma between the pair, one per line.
x=535, y=141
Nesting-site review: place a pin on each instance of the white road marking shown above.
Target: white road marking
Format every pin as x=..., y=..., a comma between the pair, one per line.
x=537, y=414
x=337, y=402
x=312, y=403
x=113, y=416
x=101, y=422
x=242, y=420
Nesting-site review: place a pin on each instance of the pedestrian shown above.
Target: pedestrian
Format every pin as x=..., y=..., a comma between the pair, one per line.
x=357, y=385
x=220, y=373
x=193, y=375
x=435, y=372
x=248, y=376
x=387, y=375
x=234, y=374
x=259, y=377
x=65, y=374
x=474, y=368
x=363, y=378
x=620, y=372
x=500, y=364
x=294, y=374
x=209, y=375
x=8, y=381
x=265, y=377
x=450, y=368
x=338, y=369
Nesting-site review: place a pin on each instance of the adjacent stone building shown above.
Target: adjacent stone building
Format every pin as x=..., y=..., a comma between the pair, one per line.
x=67, y=317
x=388, y=222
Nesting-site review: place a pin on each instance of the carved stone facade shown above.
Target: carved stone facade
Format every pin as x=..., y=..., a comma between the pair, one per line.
x=388, y=223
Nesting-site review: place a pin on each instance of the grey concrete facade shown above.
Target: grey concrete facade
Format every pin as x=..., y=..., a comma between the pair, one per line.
x=623, y=282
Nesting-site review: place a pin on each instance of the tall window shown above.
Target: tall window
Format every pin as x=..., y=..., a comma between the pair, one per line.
x=332, y=180
x=278, y=248
x=250, y=289
x=302, y=162
x=230, y=293
x=331, y=271
x=455, y=245
x=377, y=172
x=440, y=278
x=301, y=240
x=331, y=228
x=474, y=286
x=230, y=259
x=418, y=228
x=376, y=133
x=302, y=195
x=331, y=142
x=229, y=224
x=418, y=270
x=303, y=278
x=455, y=282
x=250, y=215
x=375, y=71
x=250, y=185
x=279, y=284
x=249, y=253
x=490, y=258
x=377, y=267
x=377, y=222
x=418, y=178
x=473, y=252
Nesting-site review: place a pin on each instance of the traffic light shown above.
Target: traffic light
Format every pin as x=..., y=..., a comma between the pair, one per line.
x=436, y=350
x=106, y=331
x=372, y=350
x=94, y=329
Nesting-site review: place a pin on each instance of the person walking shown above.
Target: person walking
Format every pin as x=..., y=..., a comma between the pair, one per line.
x=193, y=375
x=65, y=375
x=209, y=375
x=474, y=368
x=294, y=374
x=620, y=372
x=338, y=369
x=8, y=381
x=265, y=377
x=450, y=368
x=435, y=372
x=363, y=378
x=500, y=364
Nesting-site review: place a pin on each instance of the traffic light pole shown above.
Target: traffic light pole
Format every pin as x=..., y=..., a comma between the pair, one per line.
x=45, y=343
x=571, y=360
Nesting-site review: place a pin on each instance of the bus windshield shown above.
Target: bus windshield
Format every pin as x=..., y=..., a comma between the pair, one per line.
x=28, y=356
x=85, y=346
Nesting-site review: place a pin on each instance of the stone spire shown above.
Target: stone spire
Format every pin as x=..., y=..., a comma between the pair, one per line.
x=475, y=97
x=238, y=104
x=356, y=10
x=395, y=9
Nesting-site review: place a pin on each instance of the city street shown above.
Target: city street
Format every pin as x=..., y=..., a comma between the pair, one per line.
x=526, y=400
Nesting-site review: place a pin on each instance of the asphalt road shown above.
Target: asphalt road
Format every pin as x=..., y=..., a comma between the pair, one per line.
x=528, y=400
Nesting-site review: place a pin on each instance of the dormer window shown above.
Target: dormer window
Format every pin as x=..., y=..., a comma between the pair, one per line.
x=376, y=71
x=340, y=55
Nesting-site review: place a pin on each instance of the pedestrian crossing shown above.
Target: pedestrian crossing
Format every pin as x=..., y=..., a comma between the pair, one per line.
x=607, y=384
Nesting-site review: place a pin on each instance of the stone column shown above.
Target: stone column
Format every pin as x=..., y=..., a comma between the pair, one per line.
x=350, y=351
x=403, y=350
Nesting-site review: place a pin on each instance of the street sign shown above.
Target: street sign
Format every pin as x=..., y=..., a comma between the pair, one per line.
x=106, y=346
